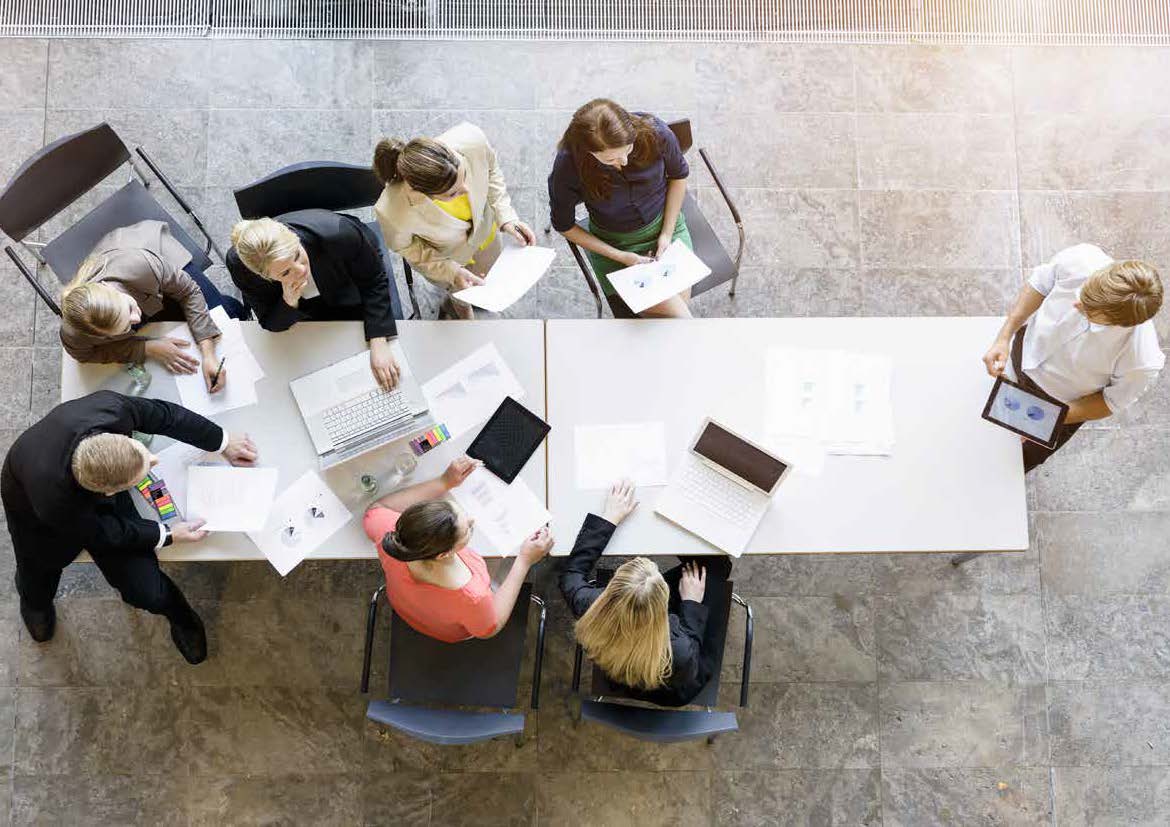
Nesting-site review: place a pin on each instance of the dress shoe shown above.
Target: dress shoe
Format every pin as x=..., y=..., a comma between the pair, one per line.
x=190, y=638
x=41, y=623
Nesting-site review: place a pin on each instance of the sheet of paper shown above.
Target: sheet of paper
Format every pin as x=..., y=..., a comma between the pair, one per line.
x=243, y=371
x=230, y=499
x=606, y=453
x=506, y=514
x=172, y=469
x=512, y=275
x=303, y=517
x=469, y=391
x=645, y=285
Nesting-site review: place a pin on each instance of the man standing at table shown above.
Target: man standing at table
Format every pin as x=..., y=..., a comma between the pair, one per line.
x=1082, y=331
x=65, y=487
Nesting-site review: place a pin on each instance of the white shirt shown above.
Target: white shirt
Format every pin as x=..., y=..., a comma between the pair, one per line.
x=1068, y=356
x=310, y=291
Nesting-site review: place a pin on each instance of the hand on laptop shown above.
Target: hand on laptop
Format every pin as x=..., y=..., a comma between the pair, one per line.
x=619, y=502
x=383, y=364
x=240, y=450
x=459, y=470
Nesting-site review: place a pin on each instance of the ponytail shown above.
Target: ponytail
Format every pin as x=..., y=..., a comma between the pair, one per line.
x=425, y=164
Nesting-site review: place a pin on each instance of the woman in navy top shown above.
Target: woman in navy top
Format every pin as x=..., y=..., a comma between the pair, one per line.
x=630, y=172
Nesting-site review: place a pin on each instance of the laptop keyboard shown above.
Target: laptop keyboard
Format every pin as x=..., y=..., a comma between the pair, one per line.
x=718, y=494
x=364, y=413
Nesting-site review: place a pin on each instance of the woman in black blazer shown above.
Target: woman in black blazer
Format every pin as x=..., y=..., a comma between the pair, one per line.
x=321, y=266
x=647, y=631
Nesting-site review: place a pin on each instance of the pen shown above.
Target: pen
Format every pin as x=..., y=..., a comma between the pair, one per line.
x=215, y=376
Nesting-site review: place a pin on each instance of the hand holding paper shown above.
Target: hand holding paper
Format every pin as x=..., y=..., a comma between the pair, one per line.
x=513, y=274
x=645, y=285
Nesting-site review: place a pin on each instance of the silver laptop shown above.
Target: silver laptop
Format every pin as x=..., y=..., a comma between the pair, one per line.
x=722, y=488
x=348, y=414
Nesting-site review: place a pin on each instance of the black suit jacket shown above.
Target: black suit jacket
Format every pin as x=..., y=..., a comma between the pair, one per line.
x=51, y=517
x=690, y=671
x=346, y=266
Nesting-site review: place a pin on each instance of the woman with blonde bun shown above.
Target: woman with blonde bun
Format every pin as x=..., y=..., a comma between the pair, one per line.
x=137, y=274
x=444, y=200
x=647, y=631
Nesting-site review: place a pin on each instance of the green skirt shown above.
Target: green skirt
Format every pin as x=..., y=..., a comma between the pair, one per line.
x=643, y=241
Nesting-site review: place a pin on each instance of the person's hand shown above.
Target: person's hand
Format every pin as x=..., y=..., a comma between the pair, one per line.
x=693, y=582
x=292, y=288
x=212, y=371
x=996, y=357
x=459, y=470
x=172, y=354
x=188, y=531
x=619, y=502
x=240, y=450
x=631, y=259
x=536, y=547
x=383, y=364
x=664, y=241
x=520, y=231
x=464, y=278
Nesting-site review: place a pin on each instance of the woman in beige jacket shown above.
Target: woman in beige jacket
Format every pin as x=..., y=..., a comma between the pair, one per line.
x=443, y=202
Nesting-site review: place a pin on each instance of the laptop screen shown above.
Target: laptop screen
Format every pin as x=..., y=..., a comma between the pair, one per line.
x=744, y=460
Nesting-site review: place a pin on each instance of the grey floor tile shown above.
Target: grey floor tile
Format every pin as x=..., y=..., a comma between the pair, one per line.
x=798, y=150
x=16, y=370
x=46, y=324
x=100, y=799
x=484, y=798
x=1078, y=79
x=933, y=292
x=400, y=797
x=22, y=73
x=1123, y=224
x=933, y=79
x=19, y=297
x=994, y=573
x=1114, y=637
x=650, y=798
x=938, y=229
x=10, y=641
x=791, y=797
x=1110, y=553
x=416, y=75
x=1115, y=724
x=1134, y=796
x=288, y=798
x=1091, y=478
x=1056, y=153
x=568, y=75
x=22, y=133
x=333, y=74
x=963, y=724
x=154, y=74
x=46, y=381
x=1011, y=795
x=954, y=636
x=780, y=77
x=935, y=151
x=804, y=574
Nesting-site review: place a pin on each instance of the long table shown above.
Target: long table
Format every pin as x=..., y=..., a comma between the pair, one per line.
x=276, y=426
x=953, y=482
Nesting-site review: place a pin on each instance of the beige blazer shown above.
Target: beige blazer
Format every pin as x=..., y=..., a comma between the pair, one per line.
x=146, y=262
x=432, y=240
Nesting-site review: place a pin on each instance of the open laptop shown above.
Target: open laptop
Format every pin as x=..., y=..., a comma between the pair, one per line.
x=348, y=414
x=722, y=488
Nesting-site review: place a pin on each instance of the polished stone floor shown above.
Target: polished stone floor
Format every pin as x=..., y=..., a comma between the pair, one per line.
x=896, y=690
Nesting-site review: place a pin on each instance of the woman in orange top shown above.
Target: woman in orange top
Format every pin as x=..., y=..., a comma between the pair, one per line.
x=433, y=581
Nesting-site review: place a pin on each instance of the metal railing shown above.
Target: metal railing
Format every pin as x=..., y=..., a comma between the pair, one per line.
x=826, y=21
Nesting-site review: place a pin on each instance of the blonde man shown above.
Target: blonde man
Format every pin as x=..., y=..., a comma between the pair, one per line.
x=65, y=485
x=1082, y=331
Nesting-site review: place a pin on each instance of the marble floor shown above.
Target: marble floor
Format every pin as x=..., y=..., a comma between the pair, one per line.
x=896, y=690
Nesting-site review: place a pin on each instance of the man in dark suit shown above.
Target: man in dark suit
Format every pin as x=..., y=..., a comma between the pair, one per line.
x=65, y=487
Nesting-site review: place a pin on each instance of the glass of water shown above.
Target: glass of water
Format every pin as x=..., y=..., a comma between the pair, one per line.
x=139, y=379
x=401, y=467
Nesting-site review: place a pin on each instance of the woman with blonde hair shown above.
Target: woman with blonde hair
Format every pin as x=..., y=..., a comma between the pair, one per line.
x=317, y=265
x=443, y=202
x=647, y=631
x=137, y=274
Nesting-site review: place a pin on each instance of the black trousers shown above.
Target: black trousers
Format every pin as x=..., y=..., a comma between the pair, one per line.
x=1034, y=453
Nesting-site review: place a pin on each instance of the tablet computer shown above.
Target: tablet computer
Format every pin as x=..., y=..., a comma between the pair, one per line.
x=1033, y=416
x=510, y=437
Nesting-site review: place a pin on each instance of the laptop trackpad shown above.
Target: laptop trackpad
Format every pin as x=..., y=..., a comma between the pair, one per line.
x=353, y=383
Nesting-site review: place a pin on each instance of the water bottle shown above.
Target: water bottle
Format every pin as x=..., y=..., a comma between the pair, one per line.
x=139, y=382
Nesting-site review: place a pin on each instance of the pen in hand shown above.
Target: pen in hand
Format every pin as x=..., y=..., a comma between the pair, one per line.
x=218, y=370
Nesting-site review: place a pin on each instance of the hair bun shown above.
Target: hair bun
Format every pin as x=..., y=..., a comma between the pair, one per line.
x=386, y=159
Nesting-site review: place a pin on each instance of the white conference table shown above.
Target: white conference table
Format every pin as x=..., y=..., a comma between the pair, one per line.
x=276, y=426
x=953, y=482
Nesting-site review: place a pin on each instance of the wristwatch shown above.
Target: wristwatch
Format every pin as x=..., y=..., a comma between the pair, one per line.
x=168, y=538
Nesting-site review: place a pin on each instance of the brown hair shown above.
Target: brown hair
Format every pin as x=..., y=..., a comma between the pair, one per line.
x=424, y=531
x=1126, y=293
x=425, y=164
x=107, y=462
x=600, y=125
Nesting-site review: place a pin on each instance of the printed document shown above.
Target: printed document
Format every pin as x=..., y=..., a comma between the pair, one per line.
x=645, y=285
x=512, y=275
x=243, y=371
x=506, y=514
x=172, y=469
x=607, y=453
x=301, y=520
x=469, y=391
x=228, y=498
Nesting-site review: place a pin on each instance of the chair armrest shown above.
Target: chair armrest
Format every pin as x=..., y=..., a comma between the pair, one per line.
x=589, y=279
x=749, y=629
x=538, y=664
x=577, y=657
x=371, y=621
x=408, y=274
x=31, y=278
x=730, y=206
x=181, y=201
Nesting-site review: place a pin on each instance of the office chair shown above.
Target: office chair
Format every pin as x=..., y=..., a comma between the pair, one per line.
x=474, y=673
x=707, y=245
x=61, y=173
x=605, y=704
x=324, y=185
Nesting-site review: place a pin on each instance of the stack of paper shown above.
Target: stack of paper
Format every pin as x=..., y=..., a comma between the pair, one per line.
x=513, y=274
x=302, y=518
x=230, y=499
x=173, y=463
x=506, y=514
x=645, y=285
x=469, y=391
x=243, y=371
x=607, y=453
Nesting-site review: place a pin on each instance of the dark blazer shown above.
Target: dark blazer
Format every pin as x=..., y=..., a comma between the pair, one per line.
x=690, y=671
x=51, y=517
x=347, y=268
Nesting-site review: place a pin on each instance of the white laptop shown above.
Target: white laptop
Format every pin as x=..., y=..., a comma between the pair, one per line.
x=722, y=488
x=348, y=414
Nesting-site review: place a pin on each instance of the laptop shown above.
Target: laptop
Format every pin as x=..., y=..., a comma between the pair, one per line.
x=722, y=488
x=348, y=414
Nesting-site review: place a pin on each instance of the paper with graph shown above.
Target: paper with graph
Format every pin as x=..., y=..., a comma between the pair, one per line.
x=506, y=514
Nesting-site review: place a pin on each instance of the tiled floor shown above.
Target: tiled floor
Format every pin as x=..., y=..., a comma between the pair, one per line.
x=1027, y=689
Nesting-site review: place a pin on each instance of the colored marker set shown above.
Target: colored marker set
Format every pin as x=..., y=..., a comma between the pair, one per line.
x=421, y=444
x=154, y=491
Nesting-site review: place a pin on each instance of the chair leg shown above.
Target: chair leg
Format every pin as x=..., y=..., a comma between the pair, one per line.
x=734, y=279
x=710, y=740
x=960, y=559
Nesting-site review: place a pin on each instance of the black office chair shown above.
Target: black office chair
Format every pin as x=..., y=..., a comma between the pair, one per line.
x=474, y=673
x=707, y=245
x=324, y=185
x=61, y=173
x=605, y=704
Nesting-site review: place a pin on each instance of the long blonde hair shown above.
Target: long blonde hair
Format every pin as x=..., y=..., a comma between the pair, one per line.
x=92, y=307
x=626, y=631
x=261, y=241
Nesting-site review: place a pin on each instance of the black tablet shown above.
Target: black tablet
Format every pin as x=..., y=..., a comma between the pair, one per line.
x=508, y=439
x=1033, y=416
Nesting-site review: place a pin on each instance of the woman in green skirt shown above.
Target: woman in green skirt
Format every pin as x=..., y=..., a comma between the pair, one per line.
x=629, y=171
